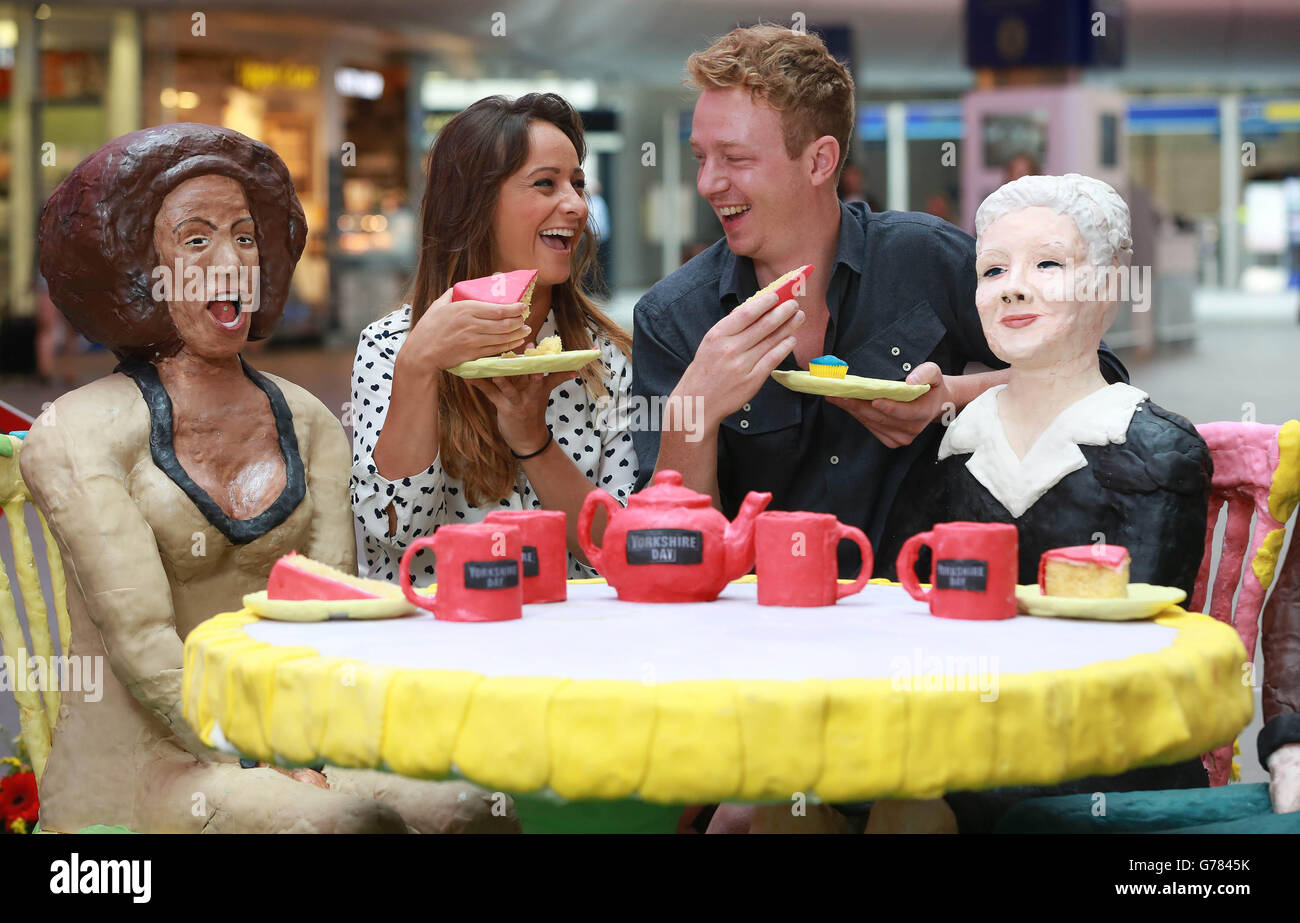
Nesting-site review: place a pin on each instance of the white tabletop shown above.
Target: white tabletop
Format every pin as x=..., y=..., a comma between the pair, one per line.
x=880, y=633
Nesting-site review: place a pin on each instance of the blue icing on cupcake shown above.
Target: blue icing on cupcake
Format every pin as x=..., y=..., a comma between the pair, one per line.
x=828, y=367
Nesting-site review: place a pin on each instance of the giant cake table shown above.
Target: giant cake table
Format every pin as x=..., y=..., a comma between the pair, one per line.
x=614, y=714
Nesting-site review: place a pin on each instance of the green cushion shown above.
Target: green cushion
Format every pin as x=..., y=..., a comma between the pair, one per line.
x=542, y=814
x=1228, y=809
x=105, y=828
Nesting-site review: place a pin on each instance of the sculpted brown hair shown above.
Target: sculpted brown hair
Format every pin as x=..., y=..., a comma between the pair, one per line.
x=471, y=157
x=96, y=238
x=791, y=72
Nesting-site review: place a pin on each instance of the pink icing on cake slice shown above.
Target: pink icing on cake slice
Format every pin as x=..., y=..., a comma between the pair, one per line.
x=296, y=577
x=500, y=288
x=1113, y=557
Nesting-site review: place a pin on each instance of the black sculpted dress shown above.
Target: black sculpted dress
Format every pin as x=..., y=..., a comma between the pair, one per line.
x=1149, y=493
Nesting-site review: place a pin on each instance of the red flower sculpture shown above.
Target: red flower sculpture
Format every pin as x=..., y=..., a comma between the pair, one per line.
x=18, y=800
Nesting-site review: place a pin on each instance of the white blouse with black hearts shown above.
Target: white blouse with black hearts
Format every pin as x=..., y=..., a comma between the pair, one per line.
x=598, y=444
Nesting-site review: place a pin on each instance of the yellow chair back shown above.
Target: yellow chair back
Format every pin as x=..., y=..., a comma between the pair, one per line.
x=38, y=709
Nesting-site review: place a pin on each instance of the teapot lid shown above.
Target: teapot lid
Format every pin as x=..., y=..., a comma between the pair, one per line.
x=667, y=493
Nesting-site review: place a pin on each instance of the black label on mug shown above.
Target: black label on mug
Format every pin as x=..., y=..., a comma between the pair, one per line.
x=530, y=561
x=961, y=574
x=665, y=546
x=491, y=575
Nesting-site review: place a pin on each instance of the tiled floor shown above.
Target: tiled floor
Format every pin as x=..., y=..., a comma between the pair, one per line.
x=1233, y=371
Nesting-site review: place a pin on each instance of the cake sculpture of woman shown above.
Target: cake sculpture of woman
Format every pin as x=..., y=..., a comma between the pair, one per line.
x=172, y=486
x=1065, y=457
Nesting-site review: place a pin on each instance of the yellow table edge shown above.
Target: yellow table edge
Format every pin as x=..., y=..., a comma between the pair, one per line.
x=723, y=739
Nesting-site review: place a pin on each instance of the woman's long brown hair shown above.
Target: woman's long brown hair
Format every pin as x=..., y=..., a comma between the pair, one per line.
x=470, y=158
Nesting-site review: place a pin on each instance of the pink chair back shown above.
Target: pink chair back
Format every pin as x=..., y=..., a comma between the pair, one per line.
x=1257, y=477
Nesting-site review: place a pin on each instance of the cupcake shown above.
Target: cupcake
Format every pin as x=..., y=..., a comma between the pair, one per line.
x=828, y=367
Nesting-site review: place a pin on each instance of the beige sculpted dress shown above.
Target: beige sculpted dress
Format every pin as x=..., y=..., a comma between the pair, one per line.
x=149, y=556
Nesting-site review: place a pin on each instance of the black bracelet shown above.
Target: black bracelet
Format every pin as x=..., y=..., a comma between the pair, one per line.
x=545, y=445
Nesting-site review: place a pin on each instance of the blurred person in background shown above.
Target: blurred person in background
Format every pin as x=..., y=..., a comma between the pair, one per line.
x=853, y=187
x=1019, y=165
x=602, y=227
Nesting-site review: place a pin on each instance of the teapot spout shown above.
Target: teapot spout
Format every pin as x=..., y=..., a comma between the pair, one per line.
x=740, y=534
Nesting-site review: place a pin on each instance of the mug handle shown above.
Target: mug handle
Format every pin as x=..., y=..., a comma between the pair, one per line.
x=907, y=565
x=855, y=535
x=420, y=600
x=594, y=499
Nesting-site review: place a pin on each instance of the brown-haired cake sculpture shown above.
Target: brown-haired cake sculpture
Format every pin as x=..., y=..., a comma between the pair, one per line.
x=174, y=484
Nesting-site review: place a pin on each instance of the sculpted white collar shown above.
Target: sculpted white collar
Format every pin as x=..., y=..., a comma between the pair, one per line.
x=1100, y=418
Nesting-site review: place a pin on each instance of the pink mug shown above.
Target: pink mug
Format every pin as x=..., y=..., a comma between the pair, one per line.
x=479, y=573
x=797, y=564
x=545, y=555
x=973, y=571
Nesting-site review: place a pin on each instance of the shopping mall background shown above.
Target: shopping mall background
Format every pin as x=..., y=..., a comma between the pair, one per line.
x=1191, y=108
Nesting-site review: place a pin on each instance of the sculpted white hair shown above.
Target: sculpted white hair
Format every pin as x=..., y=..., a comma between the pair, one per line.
x=1100, y=214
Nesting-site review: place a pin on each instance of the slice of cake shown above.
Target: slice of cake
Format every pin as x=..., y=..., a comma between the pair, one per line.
x=550, y=346
x=1085, y=572
x=828, y=367
x=785, y=285
x=297, y=577
x=500, y=288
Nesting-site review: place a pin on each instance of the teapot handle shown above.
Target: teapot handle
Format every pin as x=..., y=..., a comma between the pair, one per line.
x=594, y=499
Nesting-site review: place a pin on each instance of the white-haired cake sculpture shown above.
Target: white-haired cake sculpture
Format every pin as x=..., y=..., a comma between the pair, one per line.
x=1056, y=451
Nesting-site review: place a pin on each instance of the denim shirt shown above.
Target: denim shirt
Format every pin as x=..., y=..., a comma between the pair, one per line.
x=901, y=292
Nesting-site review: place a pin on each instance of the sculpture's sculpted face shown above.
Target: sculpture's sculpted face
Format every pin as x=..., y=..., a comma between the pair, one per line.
x=205, y=227
x=1026, y=264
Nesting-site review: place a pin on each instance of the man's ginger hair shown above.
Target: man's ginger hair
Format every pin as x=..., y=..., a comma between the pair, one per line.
x=789, y=71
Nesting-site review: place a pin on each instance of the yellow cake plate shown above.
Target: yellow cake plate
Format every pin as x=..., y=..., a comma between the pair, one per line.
x=1144, y=601
x=326, y=610
x=496, y=367
x=867, y=389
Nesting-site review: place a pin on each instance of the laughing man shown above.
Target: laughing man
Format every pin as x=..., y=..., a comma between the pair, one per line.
x=892, y=294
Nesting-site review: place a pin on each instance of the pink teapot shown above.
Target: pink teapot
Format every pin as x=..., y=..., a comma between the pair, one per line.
x=670, y=545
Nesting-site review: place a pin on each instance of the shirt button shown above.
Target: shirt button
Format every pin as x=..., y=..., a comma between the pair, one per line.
x=894, y=351
x=744, y=424
x=746, y=407
x=835, y=459
x=907, y=366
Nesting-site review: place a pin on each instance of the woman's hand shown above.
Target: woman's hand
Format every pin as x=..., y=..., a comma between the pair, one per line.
x=450, y=333
x=520, y=402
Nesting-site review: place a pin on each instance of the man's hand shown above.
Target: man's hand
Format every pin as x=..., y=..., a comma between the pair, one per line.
x=738, y=354
x=1284, y=778
x=897, y=423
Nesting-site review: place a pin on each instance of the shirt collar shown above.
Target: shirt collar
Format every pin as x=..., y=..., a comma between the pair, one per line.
x=1101, y=418
x=739, y=282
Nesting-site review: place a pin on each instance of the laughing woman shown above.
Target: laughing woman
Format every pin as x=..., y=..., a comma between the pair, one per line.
x=504, y=192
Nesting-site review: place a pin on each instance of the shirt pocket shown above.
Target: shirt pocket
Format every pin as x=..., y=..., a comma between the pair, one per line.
x=900, y=347
x=774, y=409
